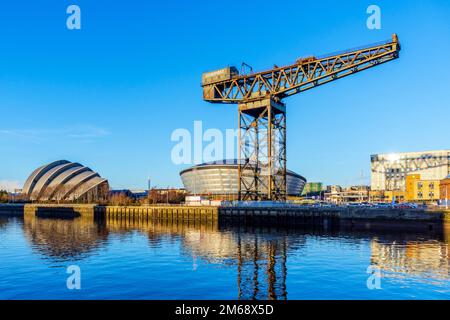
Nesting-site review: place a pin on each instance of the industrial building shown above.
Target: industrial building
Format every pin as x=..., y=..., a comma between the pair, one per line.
x=389, y=171
x=63, y=180
x=219, y=180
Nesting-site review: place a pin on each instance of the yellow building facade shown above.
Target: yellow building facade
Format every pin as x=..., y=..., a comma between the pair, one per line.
x=418, y=190
x=387, y=196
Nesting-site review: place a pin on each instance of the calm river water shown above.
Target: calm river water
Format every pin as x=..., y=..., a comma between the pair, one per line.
x=120, y=259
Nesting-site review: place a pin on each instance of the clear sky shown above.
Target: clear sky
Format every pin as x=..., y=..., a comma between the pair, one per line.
x=110, y=95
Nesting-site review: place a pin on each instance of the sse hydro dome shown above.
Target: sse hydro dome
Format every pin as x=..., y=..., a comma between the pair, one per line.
x=63, y=180
x=219, y=180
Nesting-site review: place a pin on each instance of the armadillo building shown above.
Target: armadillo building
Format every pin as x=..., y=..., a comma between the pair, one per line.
x=63, y=180
x=219, y=180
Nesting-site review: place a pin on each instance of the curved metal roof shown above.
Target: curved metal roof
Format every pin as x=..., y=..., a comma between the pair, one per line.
x=61, y=180
x=229, y=163
x=221, y=178
x=38, y=173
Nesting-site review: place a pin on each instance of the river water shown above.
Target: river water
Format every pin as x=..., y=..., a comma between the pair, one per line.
x=123, y=259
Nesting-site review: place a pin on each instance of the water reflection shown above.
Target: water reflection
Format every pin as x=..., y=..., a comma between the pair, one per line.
x=263, y=270
x=64, y=239
x=4, y=223
x=258, y=254
x=426, y=258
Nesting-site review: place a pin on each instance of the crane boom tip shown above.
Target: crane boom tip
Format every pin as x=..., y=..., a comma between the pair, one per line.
x=394, y=37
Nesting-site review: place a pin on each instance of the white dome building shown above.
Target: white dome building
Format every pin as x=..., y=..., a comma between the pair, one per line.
x=64, y=180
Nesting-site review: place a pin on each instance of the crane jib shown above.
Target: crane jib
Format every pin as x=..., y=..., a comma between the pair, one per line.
x=227, y=86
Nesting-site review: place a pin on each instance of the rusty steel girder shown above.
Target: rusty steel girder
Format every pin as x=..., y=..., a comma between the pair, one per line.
x=262, y=150
x=305, y=74
x=262, y=114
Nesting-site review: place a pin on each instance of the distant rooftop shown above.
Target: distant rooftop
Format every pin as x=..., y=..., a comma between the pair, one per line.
x=413, y=152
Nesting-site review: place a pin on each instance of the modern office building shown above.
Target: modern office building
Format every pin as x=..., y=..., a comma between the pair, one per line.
x=312, y=188
x=63, y=180
x=389, y=171
x=419, y=190
x=219, y=180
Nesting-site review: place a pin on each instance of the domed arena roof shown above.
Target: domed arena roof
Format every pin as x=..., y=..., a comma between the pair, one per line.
x=231, y=163
x=63, y=180
x=221, y=178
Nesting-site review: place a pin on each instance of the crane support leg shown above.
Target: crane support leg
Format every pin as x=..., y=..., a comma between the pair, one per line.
x=262, y=150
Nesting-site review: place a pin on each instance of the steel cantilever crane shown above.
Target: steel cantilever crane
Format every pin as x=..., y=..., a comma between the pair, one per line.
x=262, y=113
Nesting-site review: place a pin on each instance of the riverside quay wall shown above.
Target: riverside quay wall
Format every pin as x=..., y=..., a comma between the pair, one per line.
x=361, y=218
x=169, y=212
x=48, y=210
x=245, y=214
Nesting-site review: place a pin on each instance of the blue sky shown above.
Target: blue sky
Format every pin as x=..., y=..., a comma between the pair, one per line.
x=110, y=95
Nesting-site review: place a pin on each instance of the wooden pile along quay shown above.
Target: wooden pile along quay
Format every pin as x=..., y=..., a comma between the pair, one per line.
x=179, y=213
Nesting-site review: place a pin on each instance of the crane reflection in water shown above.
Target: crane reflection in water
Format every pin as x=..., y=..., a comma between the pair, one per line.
x=259, y=255
x=259, y=258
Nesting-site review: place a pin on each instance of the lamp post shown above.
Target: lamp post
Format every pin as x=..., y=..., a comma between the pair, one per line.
x=148, y=190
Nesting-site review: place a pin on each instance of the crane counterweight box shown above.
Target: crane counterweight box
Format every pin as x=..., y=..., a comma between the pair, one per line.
x=219, y=75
